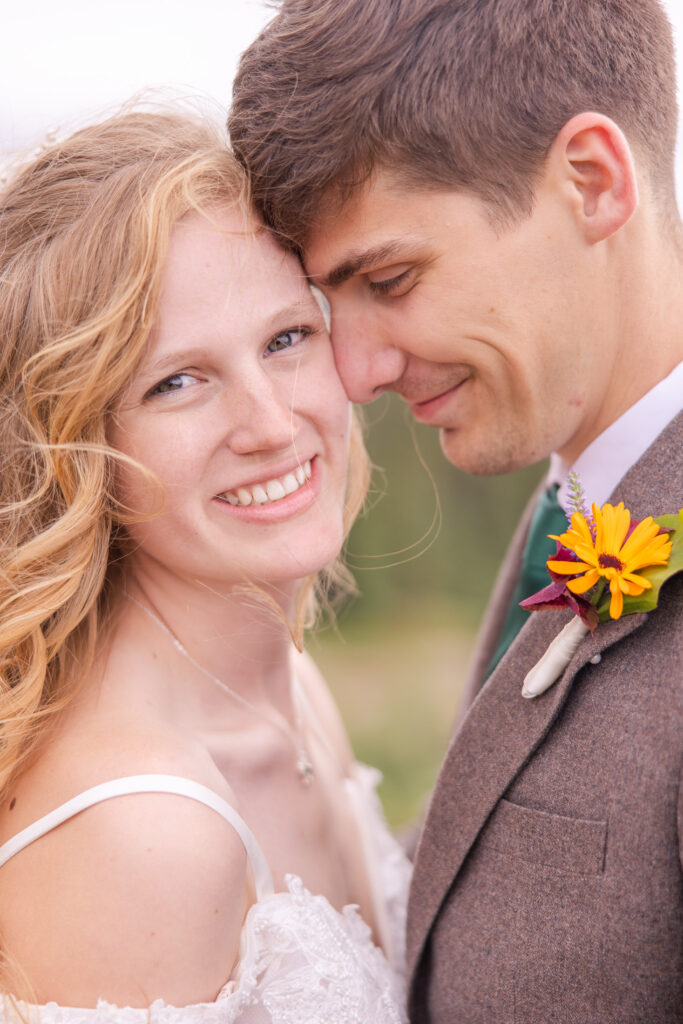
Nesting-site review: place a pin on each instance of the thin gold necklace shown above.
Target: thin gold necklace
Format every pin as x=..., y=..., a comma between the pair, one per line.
x=303, y=764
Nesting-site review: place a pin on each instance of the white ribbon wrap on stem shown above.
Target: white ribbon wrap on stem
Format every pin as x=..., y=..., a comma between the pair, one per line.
x=555, y=660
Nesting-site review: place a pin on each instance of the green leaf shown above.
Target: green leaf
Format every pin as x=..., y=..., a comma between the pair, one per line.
x=656, y=574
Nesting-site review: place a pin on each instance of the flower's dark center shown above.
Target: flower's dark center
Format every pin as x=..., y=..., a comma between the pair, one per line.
x=610, y=562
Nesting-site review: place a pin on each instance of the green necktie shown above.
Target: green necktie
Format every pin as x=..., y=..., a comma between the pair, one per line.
x=548, y=517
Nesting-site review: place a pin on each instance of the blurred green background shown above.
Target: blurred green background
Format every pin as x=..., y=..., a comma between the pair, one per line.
x=425, y=555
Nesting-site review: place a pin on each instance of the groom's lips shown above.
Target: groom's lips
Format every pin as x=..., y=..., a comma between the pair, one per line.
x=427, y=410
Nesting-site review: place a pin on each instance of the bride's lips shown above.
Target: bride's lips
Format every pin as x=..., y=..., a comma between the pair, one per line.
x=428, y=411
x=272, y=511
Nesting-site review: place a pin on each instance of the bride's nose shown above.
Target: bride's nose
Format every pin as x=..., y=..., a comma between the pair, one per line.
x=261, y=417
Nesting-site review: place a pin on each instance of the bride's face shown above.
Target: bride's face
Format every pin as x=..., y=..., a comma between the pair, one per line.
x=238, y=410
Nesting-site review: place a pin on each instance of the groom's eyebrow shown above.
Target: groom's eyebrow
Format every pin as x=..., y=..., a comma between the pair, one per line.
x=359, y=260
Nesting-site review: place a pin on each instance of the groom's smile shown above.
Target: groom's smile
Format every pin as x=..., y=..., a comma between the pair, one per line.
x=431, y=410
x=471, y=323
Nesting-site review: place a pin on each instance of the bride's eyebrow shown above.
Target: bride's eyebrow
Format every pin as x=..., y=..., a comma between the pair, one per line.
x=292, y=315
x=173, y=360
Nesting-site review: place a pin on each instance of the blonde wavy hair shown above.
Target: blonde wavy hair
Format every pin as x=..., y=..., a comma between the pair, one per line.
x=84, y=233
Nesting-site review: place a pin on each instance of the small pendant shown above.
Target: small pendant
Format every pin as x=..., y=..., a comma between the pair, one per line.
x=305, y=769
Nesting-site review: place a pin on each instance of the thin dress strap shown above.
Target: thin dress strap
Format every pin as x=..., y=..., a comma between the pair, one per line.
x=133, y=784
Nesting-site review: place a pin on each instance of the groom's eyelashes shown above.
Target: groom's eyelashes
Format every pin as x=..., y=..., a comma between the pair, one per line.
x=399, y=284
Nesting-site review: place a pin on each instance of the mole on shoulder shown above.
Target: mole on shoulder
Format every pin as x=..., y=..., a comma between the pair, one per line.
x=12, y=803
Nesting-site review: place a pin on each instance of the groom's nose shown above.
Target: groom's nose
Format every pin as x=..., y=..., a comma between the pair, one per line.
x=367, y=362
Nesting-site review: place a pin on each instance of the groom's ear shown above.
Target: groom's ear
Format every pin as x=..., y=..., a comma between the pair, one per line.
x=592, y=161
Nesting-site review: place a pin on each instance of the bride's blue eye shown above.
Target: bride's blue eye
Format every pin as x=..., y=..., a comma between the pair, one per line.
x=174, y=383
x=287, y=339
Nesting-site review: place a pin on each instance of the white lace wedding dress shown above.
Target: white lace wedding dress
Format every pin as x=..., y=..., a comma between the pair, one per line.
x=301, y=961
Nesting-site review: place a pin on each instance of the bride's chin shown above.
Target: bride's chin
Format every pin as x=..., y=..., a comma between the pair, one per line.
x=312, y=566
x=317, y=558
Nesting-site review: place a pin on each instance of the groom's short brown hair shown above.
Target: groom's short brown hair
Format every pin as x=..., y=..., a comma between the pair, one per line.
x=456, y=94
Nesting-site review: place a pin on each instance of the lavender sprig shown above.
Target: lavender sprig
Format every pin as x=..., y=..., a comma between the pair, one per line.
x=576, y=499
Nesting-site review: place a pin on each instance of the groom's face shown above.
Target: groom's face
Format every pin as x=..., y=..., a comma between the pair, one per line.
x=487, y=332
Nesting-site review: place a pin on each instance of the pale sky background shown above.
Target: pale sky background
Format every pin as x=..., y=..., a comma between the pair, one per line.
x=63, y=62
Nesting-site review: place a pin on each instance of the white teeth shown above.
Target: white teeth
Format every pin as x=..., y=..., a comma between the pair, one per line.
x=290, y=483
x=271, y=490
x=275, y=490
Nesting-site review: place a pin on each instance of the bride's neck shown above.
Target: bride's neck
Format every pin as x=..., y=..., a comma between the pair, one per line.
x=238, y=635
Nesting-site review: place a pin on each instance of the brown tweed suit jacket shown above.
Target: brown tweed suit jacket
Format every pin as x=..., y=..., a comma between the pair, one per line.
x=548, y=881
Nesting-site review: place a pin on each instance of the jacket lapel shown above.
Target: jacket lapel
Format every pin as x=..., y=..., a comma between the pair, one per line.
x=489, y=634
x=651, y=487
x=498, y=736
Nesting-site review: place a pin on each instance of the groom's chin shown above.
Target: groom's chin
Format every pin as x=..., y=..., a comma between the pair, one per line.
x=482, y=454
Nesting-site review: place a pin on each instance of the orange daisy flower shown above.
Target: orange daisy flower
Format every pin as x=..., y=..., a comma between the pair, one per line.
x=614, y=553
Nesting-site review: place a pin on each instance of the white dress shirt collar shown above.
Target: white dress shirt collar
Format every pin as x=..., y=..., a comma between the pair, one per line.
x=608, y=458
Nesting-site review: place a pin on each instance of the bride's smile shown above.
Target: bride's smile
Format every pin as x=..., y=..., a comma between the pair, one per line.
x=274, y=490
x=266, y=491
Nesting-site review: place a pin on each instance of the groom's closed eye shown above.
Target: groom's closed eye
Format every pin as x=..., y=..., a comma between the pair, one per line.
x=391, y=280
x=396, y=284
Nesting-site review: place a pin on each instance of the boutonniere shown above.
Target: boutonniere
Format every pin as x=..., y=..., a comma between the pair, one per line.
x=606, y=565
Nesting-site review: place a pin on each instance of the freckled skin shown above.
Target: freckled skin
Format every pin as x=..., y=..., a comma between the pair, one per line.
x=231, y=410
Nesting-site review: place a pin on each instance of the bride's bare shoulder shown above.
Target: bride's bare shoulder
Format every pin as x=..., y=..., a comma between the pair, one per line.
x=136, y=898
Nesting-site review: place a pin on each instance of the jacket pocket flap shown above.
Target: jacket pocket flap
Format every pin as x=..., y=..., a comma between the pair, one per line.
x=574, y=845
